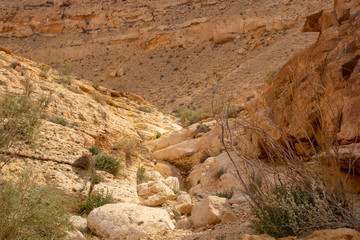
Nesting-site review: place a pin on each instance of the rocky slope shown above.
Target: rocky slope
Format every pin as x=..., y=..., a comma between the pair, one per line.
x=149, y=47
x=90, y=116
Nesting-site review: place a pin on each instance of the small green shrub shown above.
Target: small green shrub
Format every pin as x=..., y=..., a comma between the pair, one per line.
x=144, y=109
x=140, y=175
x=107, y=163
x=96, y=178
x=43, y=68
x=189, y=116
x=299, y=210
x=59, y=120
x=96, y=200
x=219, y=173
x=29, y=211
x=95, y=150
x=20, y=119
x=220, y=237
x=82, y=162
x=178, y=216
x=270, y=75
x=226, y=194
x=202, y=128
x=158, y=136
x=14, y=64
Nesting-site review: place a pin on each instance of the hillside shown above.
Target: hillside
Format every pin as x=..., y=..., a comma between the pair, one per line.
x=172, y=53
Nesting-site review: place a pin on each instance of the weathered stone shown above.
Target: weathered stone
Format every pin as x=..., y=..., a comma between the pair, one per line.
x=128, y=221
x=155, y=193
x=209, y=211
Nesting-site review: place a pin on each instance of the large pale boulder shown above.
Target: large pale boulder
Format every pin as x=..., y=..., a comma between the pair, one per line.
x=210, y=211
x=128, y=221
x=155, y=193
x=79, y=223
x=173, y=183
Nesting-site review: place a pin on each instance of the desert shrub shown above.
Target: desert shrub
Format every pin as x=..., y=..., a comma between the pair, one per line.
x=83, y=162
x=14, y=64
x=95, y=150
x=202, y=128
x=270, y=75
x=140, y=175
x=29, y=211
x=96, y=178
x=219, y=173
x=220, y=237
x=144, y=109
x=59, y=120
x=189, y=116
x=107, y=163
x=158, y=136
x=96, y=200
x=226, y=194
x=298, y=210
x=20, y=119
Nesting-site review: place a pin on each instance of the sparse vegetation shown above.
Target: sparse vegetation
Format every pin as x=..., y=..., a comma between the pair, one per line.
x=107, y=163
x=202, y=128
x=178, y=216
x=96, y=178
x=96, y=200
x=140, y=175
x=158, y=136
x=226, y=194
x=219, y=173
x=60, y=120
x=145, y=109
x=14, y=64
x=270, y=75
x=29, y=211
x=20, y=118
x=83, y=162
x=220, y=237
x=95, y=150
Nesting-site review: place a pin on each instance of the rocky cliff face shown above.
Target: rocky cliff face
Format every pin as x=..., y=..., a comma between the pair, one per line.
x=150, y=46
x=314, y=97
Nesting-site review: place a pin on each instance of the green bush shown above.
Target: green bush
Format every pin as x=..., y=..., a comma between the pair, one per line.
x=20, y=119
x=96, y=178
x=14, y=64
x=59, y=120
x=96, y=200
x=95, y=150
x=140, y=175
x=158, y=136
x=202, y=128
x=298, y=210
x=29, y=211
x=226, y=194
x=270, y=75
x=219, y=173
x=189, y=116
x=107, y=163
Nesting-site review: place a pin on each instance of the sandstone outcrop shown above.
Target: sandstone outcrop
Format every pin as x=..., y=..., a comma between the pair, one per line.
x=155, y=193
x=317, y=101
x=187, y=146
x=128, y=221
x=211, y=210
